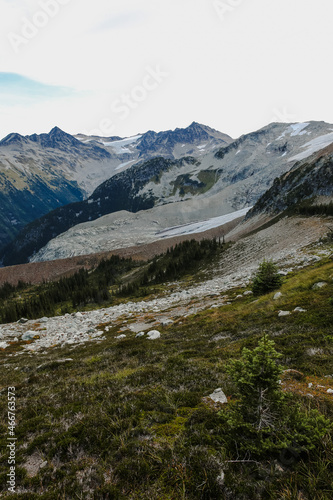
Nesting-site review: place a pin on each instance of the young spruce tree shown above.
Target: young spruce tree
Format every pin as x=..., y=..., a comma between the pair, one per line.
x=266, y=278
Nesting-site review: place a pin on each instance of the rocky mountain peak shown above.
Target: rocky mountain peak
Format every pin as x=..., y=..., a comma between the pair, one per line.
x=56, y=138
x=13, y=138
x=57, y=132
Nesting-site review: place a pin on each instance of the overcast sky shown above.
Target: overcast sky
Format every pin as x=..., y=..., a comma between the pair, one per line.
x=122, y=67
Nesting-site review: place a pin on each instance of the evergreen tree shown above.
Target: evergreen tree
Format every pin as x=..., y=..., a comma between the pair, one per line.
x=263, y=420
x=266, y=278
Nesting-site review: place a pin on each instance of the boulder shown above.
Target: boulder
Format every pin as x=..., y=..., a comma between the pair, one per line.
x=299, y=309
x=277, y=296
x=284, y=313
x=121, y=336
x=319, y=285
x=218, y=396
x=140, y=334
x=167, y=322
x=153, y=335
x=28, y=335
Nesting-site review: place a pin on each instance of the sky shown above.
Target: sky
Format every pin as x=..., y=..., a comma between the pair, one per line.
x=122, y=67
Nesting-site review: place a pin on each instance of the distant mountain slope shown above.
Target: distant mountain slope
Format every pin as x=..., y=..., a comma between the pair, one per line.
x=39, y=173
x=121, y=192
x=307, y=180
x=213, y=184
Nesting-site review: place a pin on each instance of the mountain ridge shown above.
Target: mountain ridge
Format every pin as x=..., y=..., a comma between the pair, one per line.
x=41, y=172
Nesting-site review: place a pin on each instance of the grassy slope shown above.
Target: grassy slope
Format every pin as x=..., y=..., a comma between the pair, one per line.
x=125, y=419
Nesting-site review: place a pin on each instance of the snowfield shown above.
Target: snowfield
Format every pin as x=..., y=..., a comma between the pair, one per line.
x=200, y=227
x=313, y=146
x=120, y=146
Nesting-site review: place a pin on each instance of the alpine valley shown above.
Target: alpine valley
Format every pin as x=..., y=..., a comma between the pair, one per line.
x=63, y=196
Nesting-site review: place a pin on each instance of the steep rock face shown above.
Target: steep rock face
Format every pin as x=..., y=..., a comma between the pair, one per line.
x=308, y=179
x=40, y=173
x=197, y=137
x=59, y=140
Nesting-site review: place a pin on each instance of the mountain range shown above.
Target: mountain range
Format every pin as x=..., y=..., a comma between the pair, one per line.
x=39, y=173
x=168, y=179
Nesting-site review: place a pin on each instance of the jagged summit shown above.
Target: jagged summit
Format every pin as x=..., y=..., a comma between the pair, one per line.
x=13, y=138
x=57, y=132
x=198, y=136
x=55, y=138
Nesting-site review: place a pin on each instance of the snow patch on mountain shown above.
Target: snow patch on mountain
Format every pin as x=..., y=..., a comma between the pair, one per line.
x=313, y=146
x=120, y=146
x=298, y=129
x=122, y=165
x=200, y=227
x=294, y=130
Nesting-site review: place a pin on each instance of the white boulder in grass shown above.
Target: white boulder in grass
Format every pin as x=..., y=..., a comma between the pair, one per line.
x=140, y=334
x=153, y=335
x=218, y=396
x=3, y=345
x=284, y=313
x=121, y=336
x=319, y=285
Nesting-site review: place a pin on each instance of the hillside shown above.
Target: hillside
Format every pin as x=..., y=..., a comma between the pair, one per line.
x=122, y=416
x=308, y=183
